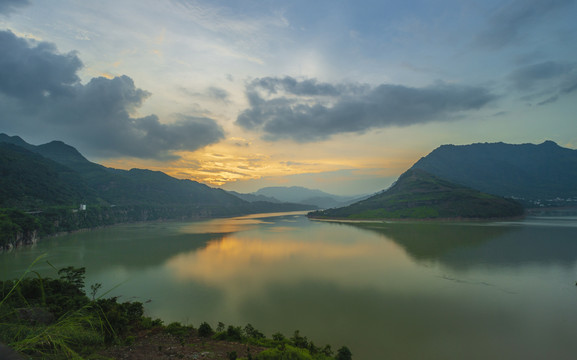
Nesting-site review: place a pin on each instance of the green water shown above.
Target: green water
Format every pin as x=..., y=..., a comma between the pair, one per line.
x=499, y=290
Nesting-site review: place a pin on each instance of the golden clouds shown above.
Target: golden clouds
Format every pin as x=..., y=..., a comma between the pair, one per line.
x=241, y=160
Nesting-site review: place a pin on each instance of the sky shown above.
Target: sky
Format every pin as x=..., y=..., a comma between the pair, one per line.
x=341, y=96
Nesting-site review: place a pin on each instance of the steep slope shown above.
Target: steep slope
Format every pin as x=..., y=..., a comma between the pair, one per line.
x=419, y=195
x=57, y=174
x=29, y=181
x=525, y=171
x=119, y=187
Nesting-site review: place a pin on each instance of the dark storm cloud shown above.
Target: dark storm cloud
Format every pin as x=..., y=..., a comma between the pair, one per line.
x=349, y=108
x=550, y=78
x=293, y=86
x=40, y=91
x=9, y=6
x=35, y=70
x=510, y=21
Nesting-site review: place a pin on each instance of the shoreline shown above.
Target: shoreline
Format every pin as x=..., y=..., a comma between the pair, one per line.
x=21, y=245
x=432, y=220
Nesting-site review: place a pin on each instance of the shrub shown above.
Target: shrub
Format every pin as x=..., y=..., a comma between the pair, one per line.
x=287, y=353
x=234, y=333
x=177, y=329
x=251, y=332
x=344, y=354
x=205, y=330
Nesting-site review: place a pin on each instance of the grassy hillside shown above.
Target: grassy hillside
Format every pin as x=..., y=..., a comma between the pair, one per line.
x=420, y=195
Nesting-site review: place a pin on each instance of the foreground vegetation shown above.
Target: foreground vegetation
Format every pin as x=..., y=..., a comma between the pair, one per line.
x=46, y=318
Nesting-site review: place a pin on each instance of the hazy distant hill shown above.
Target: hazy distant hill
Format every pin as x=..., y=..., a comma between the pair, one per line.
x=302, y=195
x=526, y=171
x=419, y=195
x=58, y=166
x=255, y=198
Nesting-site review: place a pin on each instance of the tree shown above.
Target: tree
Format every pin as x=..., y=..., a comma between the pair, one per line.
x=220, y=326
x=205, y=330
x=344, y=354
x=251, y=332
x=72, y=275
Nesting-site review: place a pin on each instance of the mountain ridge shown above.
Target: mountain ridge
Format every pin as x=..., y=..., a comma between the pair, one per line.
x=131, y=187
x=524, y=171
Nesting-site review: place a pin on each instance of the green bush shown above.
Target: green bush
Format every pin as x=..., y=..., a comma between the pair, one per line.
x=177, y=329
x=344, y=354
x=286, y=353
x=205, y=330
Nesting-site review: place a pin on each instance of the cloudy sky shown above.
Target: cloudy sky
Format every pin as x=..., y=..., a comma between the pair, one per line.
x=341, y=96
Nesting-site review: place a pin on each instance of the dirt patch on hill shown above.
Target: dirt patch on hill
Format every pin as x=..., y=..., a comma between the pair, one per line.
x=155, y=344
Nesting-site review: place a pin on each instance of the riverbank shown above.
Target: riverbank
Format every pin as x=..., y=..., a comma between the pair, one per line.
x=405, y=220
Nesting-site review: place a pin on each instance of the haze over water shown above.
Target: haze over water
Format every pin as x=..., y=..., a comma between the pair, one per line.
x=387, y=290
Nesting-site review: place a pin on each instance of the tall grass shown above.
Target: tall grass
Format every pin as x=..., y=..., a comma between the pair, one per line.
x=61, y=339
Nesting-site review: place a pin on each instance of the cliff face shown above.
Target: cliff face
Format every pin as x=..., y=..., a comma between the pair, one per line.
x=20, y=239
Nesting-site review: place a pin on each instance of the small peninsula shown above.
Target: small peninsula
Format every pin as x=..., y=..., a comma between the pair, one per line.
x=419, y=195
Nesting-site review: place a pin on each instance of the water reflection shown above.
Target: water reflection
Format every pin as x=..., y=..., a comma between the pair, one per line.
x=360, y=285
x=467, y=245
x=236, y=224
x=129, y=247
x=243, y=263
x=393, y=290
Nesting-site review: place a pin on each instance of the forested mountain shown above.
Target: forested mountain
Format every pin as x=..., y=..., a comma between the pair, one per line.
x=527, y=171
x=29, y=180
x=420, y=195
x=42, y=188
x=56, y=165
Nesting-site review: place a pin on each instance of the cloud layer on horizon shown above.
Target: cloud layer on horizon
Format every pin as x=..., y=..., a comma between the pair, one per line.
x=40, y=91
x=308, y=110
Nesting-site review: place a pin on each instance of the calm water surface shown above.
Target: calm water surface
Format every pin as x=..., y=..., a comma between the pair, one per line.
x=499, y=290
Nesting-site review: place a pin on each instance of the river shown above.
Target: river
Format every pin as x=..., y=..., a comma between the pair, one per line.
x=442, y=290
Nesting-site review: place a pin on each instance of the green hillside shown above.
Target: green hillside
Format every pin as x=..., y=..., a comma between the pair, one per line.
x=57, y=174
x=29, y=181
x=526, y=171
x=420, y=195
x=42, y=188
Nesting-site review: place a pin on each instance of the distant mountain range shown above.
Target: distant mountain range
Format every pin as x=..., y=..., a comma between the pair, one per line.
x=302, y=195
x=527, y=171
x=56, y=174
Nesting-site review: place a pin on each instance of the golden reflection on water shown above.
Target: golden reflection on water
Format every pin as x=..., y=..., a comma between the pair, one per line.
x=235, y=224
x=249, y=261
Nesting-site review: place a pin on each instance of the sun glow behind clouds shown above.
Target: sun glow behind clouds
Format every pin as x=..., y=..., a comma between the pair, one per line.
x=240, y=164
x=348, y=79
